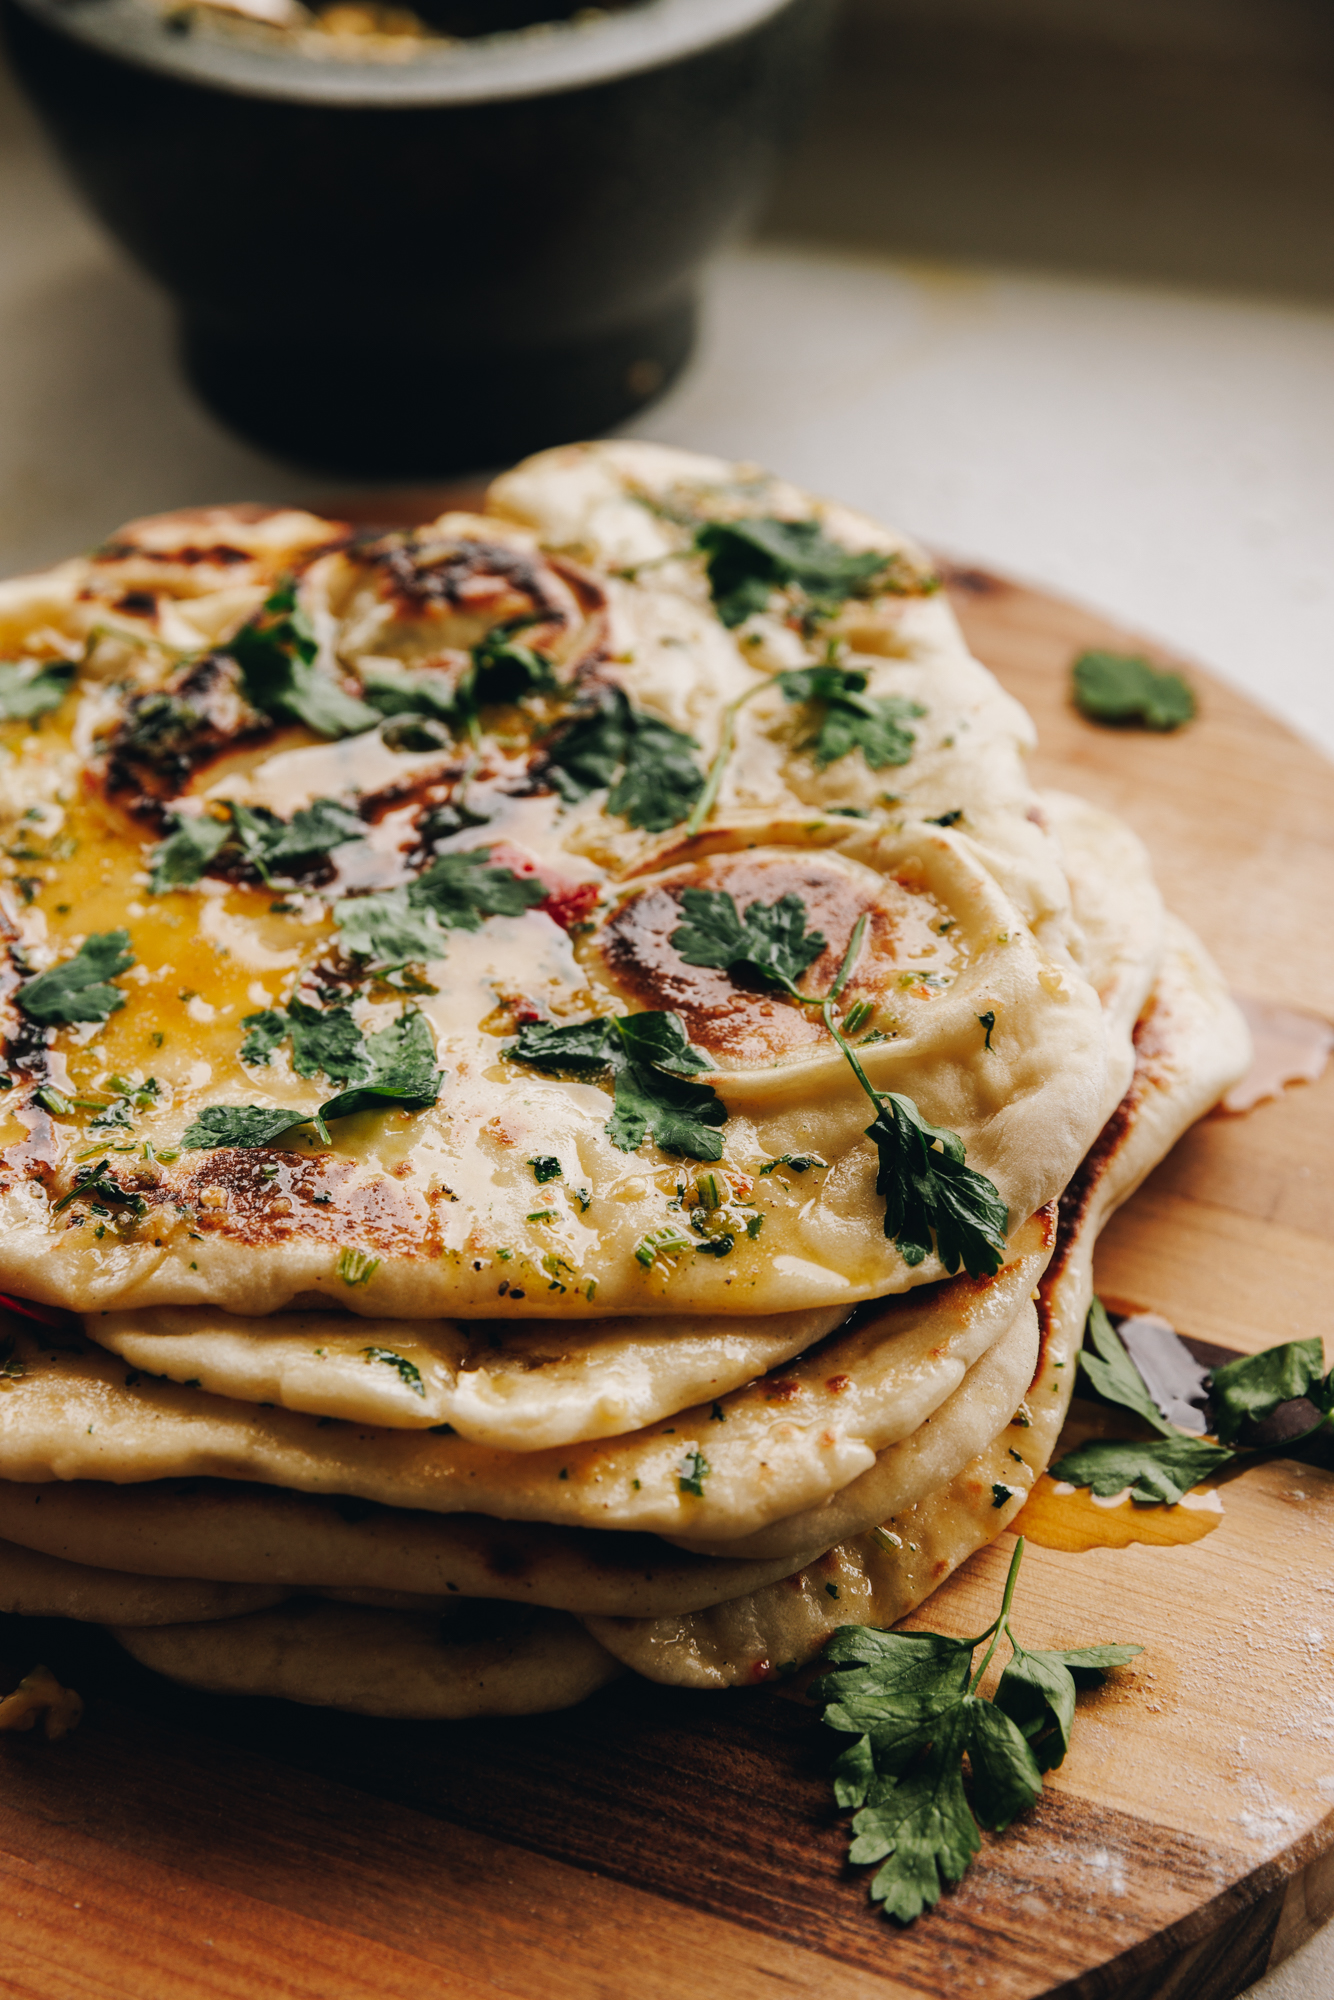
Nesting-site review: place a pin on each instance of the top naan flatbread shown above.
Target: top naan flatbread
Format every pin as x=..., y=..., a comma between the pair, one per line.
x=415, y=1210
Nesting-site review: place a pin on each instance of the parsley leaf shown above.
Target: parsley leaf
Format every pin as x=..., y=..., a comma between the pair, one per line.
x=910, y=1699
x=402, y=1070
x=1251, y=1389
x=748, y=560
x=399, y=926
x=397, y=690
x=927, y=1188
x=27, y=691
x=325, y=1040
x=772, y=942
x=692, y=1472
x=276, y=653
x=243, y=1125
x=406, y=1370
x=851, y=719
x=76, y=990
x=546, y=1167
x=1160, y=1472
x=270, y=845
x=1121, y=687
x=659, y=781
x=1114, y=1375
x=649, y=1057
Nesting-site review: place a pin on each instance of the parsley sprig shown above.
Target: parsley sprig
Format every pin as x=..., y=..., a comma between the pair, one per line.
x=277, y=652
x=1242, y=1393
x=929, y=1191
x=500, y=669
x=255, y=836
x=408, y=925
x=397, y=1066
x=847, y=719
x=748, y=560
x=28, y=690
x=652, y=778
x=78, y=989
x=911, y=1700
x=650, y=1060
x=1123, y=688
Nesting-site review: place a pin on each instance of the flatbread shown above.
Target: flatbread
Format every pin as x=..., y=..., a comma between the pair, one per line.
x=33, y=1585
x=782, y=1443
x=392, y=1663
x=434, y=1211
x=518, y=1387
x=1191, y=1044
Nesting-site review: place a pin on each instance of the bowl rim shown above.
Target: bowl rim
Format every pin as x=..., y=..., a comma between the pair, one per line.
x=543, y=62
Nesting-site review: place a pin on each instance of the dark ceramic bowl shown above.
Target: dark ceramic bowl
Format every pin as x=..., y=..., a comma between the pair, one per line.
x=417, y=268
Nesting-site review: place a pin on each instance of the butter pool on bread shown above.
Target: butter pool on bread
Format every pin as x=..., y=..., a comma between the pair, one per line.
x=379, y=1106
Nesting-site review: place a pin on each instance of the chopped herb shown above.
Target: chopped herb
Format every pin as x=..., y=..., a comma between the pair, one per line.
x=186, y=852
x=356, y=1267
x=407, y=1371
x=399, y=926
x=28, y=690
x=754, y=1226
x=692, y=1472
x=541, y=1215
x=277, y=654
x=771, y=943
x=717, y=1415
x=658, y=780
x=76, y=990
x=910, y=1700
x=800, y=1163
x=850, y=718
x=95, y=1184
x=326, y=1041
x=661, y=1246
x=546, y=1167
x=1000, y=1494
x=1123, y=688
x=402, y=1070
x=258, y=837
x=831, y=1590
x=987, y=1023
x=748, y=560
x=639, y=1050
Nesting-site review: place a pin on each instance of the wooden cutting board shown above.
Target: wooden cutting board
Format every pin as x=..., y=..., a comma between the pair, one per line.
x=655, y=1844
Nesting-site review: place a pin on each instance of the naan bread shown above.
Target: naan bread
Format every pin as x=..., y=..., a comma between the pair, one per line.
x=1191, y=1044
x=521, y=1388
x=33, y=1585
x=428, y=1212
x=385, y=1662
x=782, y=1443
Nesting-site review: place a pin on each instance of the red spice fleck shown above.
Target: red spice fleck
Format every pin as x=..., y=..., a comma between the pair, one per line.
x=762, y=1670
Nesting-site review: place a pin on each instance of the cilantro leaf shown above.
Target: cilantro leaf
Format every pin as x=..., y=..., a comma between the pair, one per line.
x=402, y=1070
x=659, y=780
x=271, y=845
x=243, y=1125
x=502, y=670
x=407, y=1371
x=76, y=990
x=851, y=719
x=1162, y=1471
x=277, y=653
x=27, y=690
x=325, y=1040
x=910, y=1699
x=1114, y=1375
x=747, y=560
x=186, y=852
x=930, y=1191
x=395, y=689
x=647, y=1055
x=399, y=926
x=1251, y=1389
x=1122, y=687
x=772, y=943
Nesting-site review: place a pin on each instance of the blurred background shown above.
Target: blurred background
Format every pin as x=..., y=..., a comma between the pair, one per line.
x=1049, y=282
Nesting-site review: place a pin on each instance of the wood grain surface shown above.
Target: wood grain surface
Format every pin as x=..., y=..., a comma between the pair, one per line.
x=655, y=1843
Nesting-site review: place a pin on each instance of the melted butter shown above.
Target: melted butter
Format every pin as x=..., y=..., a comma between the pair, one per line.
x=1060, y=1516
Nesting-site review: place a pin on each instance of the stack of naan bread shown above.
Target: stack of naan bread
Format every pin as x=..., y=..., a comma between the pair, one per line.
x=477, y=1403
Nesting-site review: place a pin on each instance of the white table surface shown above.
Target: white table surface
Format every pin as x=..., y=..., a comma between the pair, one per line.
x=1166, y=456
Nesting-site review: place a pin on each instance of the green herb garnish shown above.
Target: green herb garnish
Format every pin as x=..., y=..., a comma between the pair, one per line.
x=277, y=654
x=406, y=1370
x=546, y=1167
x=771, y=942
x=911, y=1700
x=326, y=1041
x=1122, y=687
x=692, y=1472
x=407, y=925
x=241, y=1125
x=270, y=845
x=748, y=560
x=27, y=691
x=653, y=780
x=401, y=1070
x=76, y=990
x=357, y=1267
x=649, y=1057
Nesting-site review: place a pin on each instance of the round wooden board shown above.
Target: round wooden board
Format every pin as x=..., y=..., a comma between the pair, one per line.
x=652, y=1842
